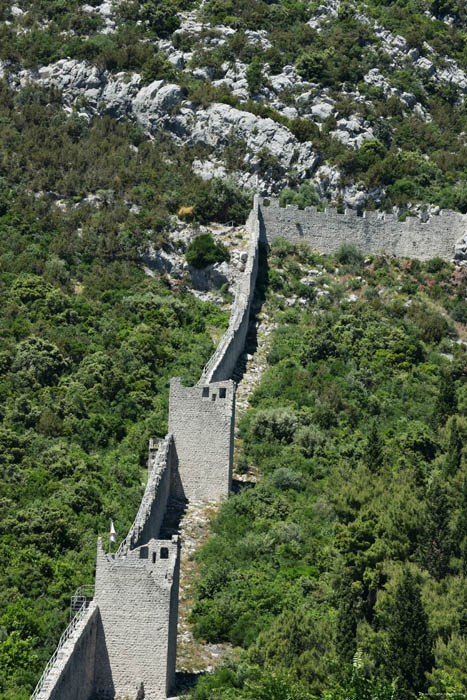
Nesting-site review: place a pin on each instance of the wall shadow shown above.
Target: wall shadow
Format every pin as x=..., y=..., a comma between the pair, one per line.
x=239, y=486
x=176, y=508
x=185, y=681
x=259, y=296
x=104, y=688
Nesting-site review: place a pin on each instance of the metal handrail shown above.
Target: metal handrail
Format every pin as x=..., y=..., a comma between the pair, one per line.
x=84, y=594
x=63, y=639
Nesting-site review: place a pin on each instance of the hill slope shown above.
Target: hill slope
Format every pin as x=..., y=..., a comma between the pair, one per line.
x=353, y=541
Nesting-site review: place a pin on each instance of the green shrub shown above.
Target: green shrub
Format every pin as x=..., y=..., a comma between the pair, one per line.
x=435, y=265
x=223, y=201
x=458, y=311
x=305, y=197
x=255, y=74
x=204, y=250
x=348, y=254
x=286, y=479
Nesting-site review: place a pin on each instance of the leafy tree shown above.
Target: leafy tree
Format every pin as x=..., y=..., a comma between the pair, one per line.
x=254, y=74
x=38, y=361
x=305, y=197
x=221, y=200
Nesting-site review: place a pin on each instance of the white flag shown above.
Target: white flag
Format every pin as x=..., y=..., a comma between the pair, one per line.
x=113, y=534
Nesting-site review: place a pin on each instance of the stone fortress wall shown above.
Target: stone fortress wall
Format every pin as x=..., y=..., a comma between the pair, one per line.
x=71, y=675
x=137, y=597
x=374, y=232
x=223, y=361
x=161, y=483
x=124, y=642
x=201, y=419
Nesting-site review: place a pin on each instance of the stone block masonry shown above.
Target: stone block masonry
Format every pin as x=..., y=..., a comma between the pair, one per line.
x=137, y=597
x=201, y=420
x=72, y=674
x=224, y=359
x=374, y=232
x=159, y=487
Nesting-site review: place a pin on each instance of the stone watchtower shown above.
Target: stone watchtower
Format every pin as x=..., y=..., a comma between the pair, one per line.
x=137, y=597
x=201, y=420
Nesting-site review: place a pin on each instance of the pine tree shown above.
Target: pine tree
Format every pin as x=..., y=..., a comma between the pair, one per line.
x=460, y=528
x=454, y=453
x=446, y=401
x=437, y=543
x=410, y=642
x=374, y=449
x=346, y=620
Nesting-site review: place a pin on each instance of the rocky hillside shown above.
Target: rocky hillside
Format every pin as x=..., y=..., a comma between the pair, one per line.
x=358, y=104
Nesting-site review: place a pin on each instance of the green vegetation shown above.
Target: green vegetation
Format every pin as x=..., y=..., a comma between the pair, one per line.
x=71, y=32
x=204, y=250
x=415, y=159
x=71, y=159
x=306, y=196
x=342, y=572
x=89, y=344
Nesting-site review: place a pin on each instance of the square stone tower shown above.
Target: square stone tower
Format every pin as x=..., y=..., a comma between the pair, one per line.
x=137, y=597
x=201, y=420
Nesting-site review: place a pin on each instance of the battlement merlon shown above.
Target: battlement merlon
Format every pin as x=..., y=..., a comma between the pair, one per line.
x=160, y=556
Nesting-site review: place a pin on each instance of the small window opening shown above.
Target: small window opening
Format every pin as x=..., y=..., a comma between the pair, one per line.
x=222, y=393
x=143, y=553
x=164, y=553
x=360, y=213
x=205, y=392
x=153, y=557
x=213, y=397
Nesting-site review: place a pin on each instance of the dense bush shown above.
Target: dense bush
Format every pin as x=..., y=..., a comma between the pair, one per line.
x=306, y=196
x=353, y=540
x=204, y=250
x=221, y=200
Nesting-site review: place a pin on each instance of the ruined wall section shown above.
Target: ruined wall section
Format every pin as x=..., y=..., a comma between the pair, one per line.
x=232, y=343
x=374, y=232
x=162, y=467
x=72, y=673
x=137, y=594
x=201, y=419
